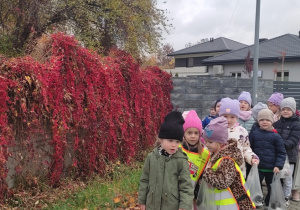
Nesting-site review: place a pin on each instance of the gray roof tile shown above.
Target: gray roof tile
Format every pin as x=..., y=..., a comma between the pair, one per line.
x=268, y=50
x=217, y=45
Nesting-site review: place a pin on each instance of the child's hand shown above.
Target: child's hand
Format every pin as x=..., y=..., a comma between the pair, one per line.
x=143, y=207
x=208, y=165
x=276, y=170
x=254, y=161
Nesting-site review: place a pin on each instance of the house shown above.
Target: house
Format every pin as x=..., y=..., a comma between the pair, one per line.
x=276, y=55
x=188, y=61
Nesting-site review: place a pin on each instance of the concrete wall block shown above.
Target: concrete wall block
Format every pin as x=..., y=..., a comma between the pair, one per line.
x=194, y=103
x=207, y=104
x=178, y=81
x=177, y=96
x=192, y=90
x=178, y=89
x=178, y=104
x=244, y=82
x=213, y=81
x=265, y=83
x=230, y=90
x=193, y=97
x=241, y=89
x=210, y=97
x=212, y=90
x=228, y=82
x=194, y=82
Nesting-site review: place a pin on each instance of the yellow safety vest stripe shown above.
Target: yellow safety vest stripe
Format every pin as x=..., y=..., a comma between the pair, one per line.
x=200, y=160
x=232, y=200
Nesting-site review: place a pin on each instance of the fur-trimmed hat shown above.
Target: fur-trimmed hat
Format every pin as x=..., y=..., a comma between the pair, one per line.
x=217, y=130
x=172, y=127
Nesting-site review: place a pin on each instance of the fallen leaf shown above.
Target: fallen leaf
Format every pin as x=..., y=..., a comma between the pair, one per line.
x=117, y=200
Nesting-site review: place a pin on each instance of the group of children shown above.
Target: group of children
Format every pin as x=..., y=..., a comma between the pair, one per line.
x=219, y=151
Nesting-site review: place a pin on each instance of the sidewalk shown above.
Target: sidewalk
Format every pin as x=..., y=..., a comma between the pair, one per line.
x=293, y=205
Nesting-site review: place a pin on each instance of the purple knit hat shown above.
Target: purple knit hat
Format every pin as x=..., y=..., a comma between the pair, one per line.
x=276, y=98
x=217, y=130
x=192, y=121
x=245, y=96
x=230, y=106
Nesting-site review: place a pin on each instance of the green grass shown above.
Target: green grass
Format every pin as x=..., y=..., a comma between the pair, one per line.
x=100, y=192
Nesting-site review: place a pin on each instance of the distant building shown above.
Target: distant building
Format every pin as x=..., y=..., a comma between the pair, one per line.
x=231, y=62
x=188, y=61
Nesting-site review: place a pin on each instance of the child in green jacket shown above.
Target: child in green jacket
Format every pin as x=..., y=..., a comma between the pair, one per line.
x=165, y=181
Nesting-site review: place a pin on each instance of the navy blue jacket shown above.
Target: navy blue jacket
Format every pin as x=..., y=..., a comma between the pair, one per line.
x=207, y=120
x=269, y=147
x=289, y=130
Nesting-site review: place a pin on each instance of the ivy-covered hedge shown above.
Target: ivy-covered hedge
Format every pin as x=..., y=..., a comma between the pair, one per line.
x=109, y=107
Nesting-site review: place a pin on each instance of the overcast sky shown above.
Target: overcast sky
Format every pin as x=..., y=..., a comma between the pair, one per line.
x=234, y=19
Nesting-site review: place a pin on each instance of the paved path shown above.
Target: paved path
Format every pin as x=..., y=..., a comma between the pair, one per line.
x=293, y=205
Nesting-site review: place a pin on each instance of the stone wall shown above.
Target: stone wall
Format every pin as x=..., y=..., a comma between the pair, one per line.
x=199, y=92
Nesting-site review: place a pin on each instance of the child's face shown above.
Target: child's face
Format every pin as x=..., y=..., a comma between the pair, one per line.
x=265, y=124
x=212, y=112
x=218, y=107
x=192, y=135
x=286, y=112
x=170, y=145
x=274, y=108
x=244, y=106
x=212, y=146
x=232, y=119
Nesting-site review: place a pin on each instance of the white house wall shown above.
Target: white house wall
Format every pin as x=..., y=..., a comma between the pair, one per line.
x=183, y=71
x=266, y=68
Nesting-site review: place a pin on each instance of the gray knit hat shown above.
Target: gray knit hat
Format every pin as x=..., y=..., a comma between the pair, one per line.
x=259, y=106
x=288, y=102
x=265, y=114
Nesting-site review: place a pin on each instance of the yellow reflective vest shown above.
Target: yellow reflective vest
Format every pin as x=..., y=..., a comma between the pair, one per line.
x=197, y=162
x=224, y=199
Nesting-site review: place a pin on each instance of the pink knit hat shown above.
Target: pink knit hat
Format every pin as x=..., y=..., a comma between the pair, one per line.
x=217, y=130
x=276, y=98
x=192, y=121
x=230, y=106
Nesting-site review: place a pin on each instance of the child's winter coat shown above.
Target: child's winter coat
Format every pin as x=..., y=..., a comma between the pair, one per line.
x=240, y=134
x=246, y=120
x=165, y=183
x=226, y=174
x=289, y=130
x=269, y=147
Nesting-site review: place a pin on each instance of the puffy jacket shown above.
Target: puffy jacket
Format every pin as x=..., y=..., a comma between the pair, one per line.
x=269, y=147
x=165, y=182
x=246, y=123
x=289, y=130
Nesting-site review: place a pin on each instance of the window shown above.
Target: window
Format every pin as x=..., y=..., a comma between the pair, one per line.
x=236, y=74
x=285, y=76
x=190, y=62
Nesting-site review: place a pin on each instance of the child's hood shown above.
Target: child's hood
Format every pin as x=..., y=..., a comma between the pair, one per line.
x=232, y=151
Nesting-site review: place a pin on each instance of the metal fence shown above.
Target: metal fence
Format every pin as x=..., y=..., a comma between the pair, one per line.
x=288, y=89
